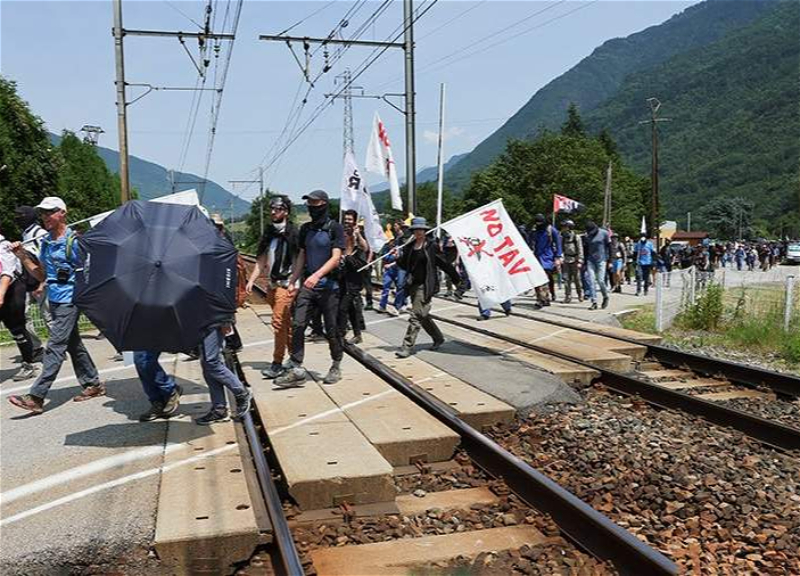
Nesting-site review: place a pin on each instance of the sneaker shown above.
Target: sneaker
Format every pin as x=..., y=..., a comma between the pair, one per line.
x=393, y=311
x=89, y=392
x=273, y=371
x=171, y=405
x=214, y=415
x=333, y=375
x=368, y=306
x=507, y=312
x=593, y=306
x=355, y=340
x=156, y=410
x=316, y=337
x=481, y=317
x=437, y=344
x=28, y=402
x=294, y=378
x=567, y=300
x=27, y=371
x=381, y=310
x=38, y=355
x=404, y=352
x=243, y=405
x=605, y=303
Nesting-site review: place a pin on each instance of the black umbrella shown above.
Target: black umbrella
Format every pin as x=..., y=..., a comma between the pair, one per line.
x=156, y=276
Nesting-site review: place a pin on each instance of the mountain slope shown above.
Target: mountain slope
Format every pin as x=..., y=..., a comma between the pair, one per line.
x=599, y=76
x=152, y=180
x=734, y=128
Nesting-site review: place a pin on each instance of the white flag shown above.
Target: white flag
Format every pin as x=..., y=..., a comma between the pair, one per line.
x=644, y=226
x=499, y=263
x=380, y=160
x=356, y=197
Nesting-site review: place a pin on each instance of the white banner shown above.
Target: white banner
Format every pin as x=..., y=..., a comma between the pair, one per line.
x=185, y=198
x=499, y=263
x=355, y=196
x=380, y=160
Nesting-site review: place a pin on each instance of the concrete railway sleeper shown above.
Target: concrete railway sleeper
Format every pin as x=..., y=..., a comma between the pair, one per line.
x=766, y=431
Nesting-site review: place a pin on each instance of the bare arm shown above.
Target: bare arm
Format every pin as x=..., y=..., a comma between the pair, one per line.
x=260, y=266
x=5, y=282
x=35, y=268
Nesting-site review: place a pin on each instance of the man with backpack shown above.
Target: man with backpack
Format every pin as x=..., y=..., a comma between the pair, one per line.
x=60, y=257
x=32, y=235
x=572, y=247
x=546, y=245
x=320, y=247
x=12, y=311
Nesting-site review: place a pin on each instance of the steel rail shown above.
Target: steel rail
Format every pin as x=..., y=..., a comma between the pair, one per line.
x=585, y=526
x=750, y=376
x=766, y=431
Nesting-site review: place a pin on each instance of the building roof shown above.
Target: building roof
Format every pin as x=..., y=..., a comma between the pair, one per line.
x=690, y=235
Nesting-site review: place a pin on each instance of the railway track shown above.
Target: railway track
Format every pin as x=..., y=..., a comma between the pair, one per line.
x=676, y=380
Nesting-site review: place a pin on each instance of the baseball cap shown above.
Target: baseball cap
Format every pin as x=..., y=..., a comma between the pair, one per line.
x=316, y=195
x=52, y=203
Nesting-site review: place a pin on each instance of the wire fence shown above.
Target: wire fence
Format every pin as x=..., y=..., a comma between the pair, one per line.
x=38, y=325
x=773, y=294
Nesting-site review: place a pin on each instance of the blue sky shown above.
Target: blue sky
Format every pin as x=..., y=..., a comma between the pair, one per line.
x=61, y=54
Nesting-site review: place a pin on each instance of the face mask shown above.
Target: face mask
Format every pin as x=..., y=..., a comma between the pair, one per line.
x=318, y=213
x=280, y=226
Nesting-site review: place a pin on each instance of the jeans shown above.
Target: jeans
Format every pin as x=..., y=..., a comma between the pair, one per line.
x=597, y=276
x=487, y=313
x=157, y=384
x=645, y=270
x=64, y=338
x=325, y=301
x=393, y=276
x=12, y=314
x=420, y=318
x=401, y=296
x=217, y=375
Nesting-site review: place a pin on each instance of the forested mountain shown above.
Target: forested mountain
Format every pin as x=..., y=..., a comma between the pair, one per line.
x=152, y=180
x=598, y=77
x=734, y=122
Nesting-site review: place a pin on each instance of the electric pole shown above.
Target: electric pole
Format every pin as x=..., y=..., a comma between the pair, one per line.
x=410, y=111
x=655, y=229
x=347, y=94
x=122, y=105
x=688, y=221
x=607, y=199
x=260, y=183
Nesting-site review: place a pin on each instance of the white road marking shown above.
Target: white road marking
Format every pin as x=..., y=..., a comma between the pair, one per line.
x=111, y=484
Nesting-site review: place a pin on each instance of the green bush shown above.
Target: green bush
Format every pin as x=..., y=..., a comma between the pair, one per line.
x=791, y=348
x=706, y=313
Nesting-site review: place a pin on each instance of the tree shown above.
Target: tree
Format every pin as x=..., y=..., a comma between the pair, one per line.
x=28, y=166
x=729, y=218
x=574, y=124
x=427, y=195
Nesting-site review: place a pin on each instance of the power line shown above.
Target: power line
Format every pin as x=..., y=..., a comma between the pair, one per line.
x=302, y=20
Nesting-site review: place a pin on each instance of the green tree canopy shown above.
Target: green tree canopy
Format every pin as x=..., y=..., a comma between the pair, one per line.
x=574, y=124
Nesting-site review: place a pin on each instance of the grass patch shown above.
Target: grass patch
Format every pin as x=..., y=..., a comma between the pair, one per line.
x=643, y=319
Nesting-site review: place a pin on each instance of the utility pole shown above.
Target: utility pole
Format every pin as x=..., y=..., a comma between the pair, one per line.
x=607, y=199
x=347, y=94
x=655, y=229
x=260, y=183
x=410, y=111
x=122, y=105
x=440, y=155
x=688, y=221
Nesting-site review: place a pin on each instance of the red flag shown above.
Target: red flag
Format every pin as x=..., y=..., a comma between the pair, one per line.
x=564, y=204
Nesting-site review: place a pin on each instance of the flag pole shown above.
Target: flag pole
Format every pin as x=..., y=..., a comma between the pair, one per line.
x=406, y=243
x=441, y=162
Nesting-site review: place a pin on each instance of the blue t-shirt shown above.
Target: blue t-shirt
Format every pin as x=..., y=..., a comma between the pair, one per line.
x=53, y=257
x=318, y=244
x=644, y=252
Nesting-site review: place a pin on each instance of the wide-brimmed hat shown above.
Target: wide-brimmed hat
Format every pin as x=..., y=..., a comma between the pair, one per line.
x=419, y=224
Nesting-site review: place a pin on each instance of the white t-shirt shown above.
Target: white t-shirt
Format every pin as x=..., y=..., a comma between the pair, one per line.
x=35, y=233
x=9, y=264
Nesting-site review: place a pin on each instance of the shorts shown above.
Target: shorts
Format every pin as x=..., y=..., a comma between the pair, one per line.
x=617, y=266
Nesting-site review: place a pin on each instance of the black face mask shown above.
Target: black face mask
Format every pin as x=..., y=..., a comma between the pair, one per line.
x=318, y=213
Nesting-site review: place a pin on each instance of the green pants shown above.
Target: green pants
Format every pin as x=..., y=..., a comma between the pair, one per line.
x=420, y=318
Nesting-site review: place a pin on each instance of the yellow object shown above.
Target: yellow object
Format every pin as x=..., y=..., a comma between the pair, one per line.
x=408, y=220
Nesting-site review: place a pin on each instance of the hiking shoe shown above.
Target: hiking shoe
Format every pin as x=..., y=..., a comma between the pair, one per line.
x=214, y=415
x=438, y=344
x=294, y=378
x=593, y=306
x=171, y=405
x=567, y=300
x=273, y=371
x=404, y=352
x=90, y=392
x=393, y=311
x=28, y=402
x=27, y=371
x=156, y=410
x=333, y=375
x=243, y=405
x=355, y=340
x=604, y=305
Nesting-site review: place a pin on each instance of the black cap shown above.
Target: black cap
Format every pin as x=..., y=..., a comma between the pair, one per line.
x=316, y=195
x=539, y=218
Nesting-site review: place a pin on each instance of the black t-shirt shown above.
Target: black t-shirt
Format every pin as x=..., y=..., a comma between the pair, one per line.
x=417, y=266
x=319, y=242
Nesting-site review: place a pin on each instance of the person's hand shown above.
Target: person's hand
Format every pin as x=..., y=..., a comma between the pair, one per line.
x=311, y=281
x=17, y=248
x=291, y=289
x=249, y=287
x=39, y=291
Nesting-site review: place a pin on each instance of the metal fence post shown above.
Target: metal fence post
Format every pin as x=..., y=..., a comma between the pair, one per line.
x=692, y=285
x=789, y=304
x=660, y=301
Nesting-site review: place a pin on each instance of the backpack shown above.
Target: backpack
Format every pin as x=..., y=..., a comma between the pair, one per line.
x=241, y=281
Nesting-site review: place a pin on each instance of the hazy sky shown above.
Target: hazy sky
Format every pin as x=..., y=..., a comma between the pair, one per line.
x=61, y=54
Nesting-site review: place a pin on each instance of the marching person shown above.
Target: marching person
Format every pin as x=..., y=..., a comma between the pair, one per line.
x=597, y=249
x=546, y=245
x=420, y=260
x=572, y=247
x=32, y=234
x=276, y=254
x=355, y=258
x=617, y=263
x=486, y=313
x=391, y=277
x=60, y=257
x=645, y=256
x=321, y=243
x=159, y=387
x=12, y=311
